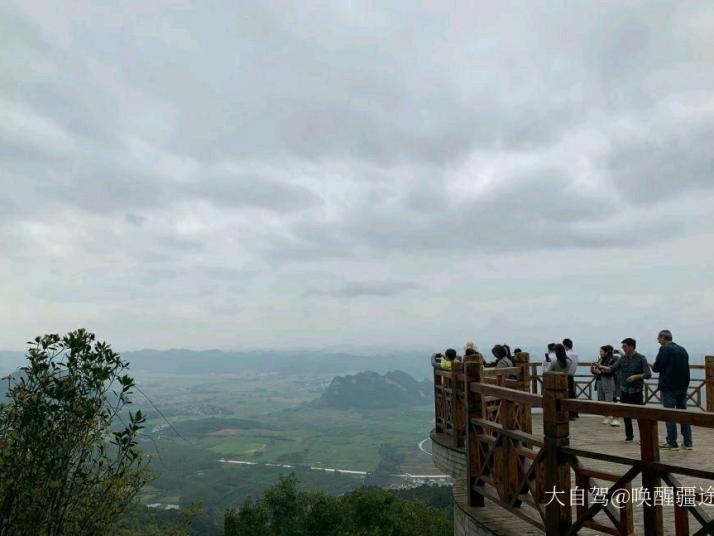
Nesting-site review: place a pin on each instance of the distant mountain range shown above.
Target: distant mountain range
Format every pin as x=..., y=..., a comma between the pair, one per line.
x=8, y=381
x=368, y=390
x=180, y=361
x=269, y=361
x=10, y=361
x=299, y=361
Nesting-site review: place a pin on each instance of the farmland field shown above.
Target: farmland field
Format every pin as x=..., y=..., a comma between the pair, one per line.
x=268, y=423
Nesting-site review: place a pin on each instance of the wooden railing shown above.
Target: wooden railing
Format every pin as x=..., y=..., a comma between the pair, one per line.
x=509, y=465
x=449, y=399
x=700, y=393
x=449, y=406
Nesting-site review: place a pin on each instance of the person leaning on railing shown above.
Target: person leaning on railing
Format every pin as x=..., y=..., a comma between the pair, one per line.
x=635, y=370
x=672, y=363
x=504, y=358
x=444, y=361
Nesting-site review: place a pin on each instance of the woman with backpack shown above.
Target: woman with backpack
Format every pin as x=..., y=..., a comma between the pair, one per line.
x=605, y=382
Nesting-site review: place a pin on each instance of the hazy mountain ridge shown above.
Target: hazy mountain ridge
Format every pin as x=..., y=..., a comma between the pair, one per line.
x=286, y=362
x=369, y=389
x=11, y=361
x=183, y=361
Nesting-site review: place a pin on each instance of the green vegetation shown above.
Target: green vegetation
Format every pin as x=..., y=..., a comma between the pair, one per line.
x=139, y=521
x=434, y=496
x=285, y=511
x=69, y=459
x=238, y=445
x=390, y=459
x=268, y=420
x=371, y=390
x=196, y=424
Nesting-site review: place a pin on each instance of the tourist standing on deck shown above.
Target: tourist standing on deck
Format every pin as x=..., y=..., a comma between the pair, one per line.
x=672, y=363
x=549, y=356
x=605, y=384
x=502, y=353
x=634, y=371
x=568, y=344
x=470, y=350
x=562, y=362
x=618, y=375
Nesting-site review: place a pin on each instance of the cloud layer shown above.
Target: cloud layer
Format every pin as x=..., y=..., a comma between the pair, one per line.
x=236, y=174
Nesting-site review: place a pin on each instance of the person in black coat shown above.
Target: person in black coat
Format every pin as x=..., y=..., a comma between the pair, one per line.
x=672, y=363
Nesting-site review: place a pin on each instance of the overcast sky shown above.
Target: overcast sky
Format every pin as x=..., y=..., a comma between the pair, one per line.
x=273, y=174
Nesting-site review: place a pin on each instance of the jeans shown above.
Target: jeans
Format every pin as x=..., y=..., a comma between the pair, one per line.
x=631, y=398
x=676, y=399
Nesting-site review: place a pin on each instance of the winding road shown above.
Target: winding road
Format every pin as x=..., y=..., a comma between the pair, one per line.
x=421, y=446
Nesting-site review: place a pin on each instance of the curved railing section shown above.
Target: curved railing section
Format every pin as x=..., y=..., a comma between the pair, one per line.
x=700, y=393
x=524, y=473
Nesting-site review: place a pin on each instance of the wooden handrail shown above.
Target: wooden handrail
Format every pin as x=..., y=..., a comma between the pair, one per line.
x=625, y=460
x=506, y=463
x=633, y=411
x=692, y=366
x=505, y=393
x=513, y=434
x=501, y=370
x=700, y=393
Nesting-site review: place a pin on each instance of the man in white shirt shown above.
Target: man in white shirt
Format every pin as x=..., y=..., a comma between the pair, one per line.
x=568, y=343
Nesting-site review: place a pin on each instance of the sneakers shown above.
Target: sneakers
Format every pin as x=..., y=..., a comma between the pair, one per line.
x=667, y=446
x=614, y=422
x=607, y=420
x=688, y=447
x=629, y=440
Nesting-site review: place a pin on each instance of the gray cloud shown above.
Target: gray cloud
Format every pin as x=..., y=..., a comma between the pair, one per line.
x=671, y=160
x=540, y=211
x=134, y=219
x=356, y=289
x=214, y=167
x=240, y=190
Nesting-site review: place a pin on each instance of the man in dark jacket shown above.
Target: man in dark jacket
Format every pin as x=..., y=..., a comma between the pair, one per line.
x=672, y=363
x=634, y=370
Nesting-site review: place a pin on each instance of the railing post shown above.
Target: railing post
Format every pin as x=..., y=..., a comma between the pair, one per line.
x=534, y=378
x=524, y=378
x=649, y=452
x=438, y=428
x=524, y=374
x=505, y=457
x=457, y=407
x=709, y=380
x=556, y=430
x=475, y=409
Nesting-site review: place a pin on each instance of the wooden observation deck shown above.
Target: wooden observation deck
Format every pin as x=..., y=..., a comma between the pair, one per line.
x=522, y=467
